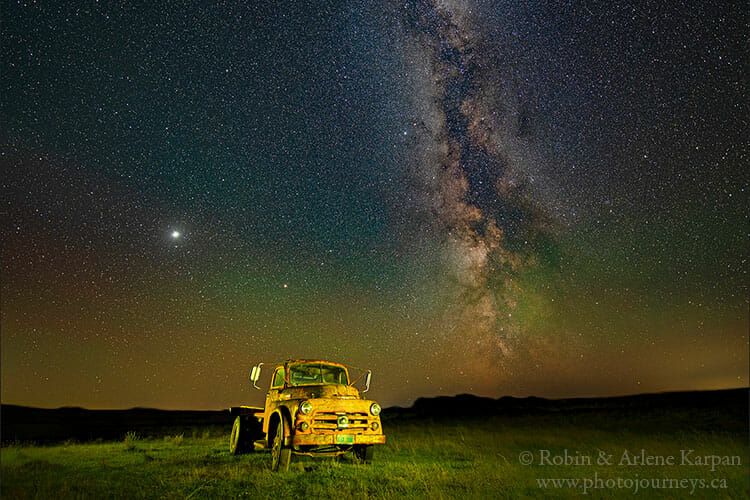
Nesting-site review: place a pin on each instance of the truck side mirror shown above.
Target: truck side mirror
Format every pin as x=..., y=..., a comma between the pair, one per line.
x=367, y=381
x=255, y=375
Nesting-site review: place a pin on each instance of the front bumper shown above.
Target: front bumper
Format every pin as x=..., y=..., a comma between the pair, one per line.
x=335, y=439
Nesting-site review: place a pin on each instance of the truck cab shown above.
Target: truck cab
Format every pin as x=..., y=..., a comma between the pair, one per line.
x=311, y=408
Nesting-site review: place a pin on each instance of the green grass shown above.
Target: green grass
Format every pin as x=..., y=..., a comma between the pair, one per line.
x=457, y=459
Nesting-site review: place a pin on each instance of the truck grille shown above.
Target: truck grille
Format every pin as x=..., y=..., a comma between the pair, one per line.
x=329, y=422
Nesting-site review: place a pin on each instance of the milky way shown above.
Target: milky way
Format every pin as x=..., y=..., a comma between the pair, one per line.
x=474, y=193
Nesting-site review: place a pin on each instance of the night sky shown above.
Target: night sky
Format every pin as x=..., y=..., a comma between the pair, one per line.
x=498, y=198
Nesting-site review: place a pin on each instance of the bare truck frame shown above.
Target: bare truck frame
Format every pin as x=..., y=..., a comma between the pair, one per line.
x=312, y=408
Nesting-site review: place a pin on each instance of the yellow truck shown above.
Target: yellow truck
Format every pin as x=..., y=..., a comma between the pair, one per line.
x=312, y=408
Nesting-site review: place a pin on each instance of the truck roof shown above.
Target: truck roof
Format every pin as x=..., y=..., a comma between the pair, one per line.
x=313, y=361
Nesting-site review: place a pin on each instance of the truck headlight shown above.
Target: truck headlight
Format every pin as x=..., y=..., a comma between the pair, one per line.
x=375, y=409
x=305, y=408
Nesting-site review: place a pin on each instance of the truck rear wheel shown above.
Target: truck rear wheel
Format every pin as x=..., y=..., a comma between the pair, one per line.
x=362, y=453
x=241, y=439
x=282, y=455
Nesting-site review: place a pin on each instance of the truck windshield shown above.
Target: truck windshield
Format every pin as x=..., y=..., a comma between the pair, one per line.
x=317, y=373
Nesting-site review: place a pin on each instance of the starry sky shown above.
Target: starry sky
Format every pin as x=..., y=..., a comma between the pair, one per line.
x=498, y=198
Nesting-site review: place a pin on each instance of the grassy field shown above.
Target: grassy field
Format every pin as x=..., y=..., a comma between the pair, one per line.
x=449, y=458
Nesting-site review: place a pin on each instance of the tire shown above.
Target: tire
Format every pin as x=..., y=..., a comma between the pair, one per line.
x=241, y=438
x=282, y=455
x=362, y=453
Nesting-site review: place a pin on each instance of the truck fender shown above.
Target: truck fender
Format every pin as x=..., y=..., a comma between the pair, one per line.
x=280, y=413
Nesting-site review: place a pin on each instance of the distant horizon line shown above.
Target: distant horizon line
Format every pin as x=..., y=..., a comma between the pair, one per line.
x=686, y=391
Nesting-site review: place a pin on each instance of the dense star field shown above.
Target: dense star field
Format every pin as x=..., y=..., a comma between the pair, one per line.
x=498, y=198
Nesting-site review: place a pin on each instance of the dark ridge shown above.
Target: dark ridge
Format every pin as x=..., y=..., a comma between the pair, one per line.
x=722, y=410
x=719, y=411
x=468, y=403
x=40, y=425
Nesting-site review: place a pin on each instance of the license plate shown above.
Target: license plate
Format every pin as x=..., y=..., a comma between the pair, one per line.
x=344, y=439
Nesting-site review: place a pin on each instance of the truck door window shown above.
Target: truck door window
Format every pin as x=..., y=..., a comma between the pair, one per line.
x=278, y=378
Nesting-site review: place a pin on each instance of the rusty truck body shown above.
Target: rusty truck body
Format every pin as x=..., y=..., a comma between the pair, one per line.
x=312, y=408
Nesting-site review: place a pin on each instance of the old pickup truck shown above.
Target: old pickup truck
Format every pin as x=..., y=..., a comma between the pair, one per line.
x=312, y=408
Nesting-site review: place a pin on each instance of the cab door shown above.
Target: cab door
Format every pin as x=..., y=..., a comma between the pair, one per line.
x=272, y=397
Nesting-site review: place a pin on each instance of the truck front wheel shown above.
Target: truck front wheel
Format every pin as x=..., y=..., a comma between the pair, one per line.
x=282, y=455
